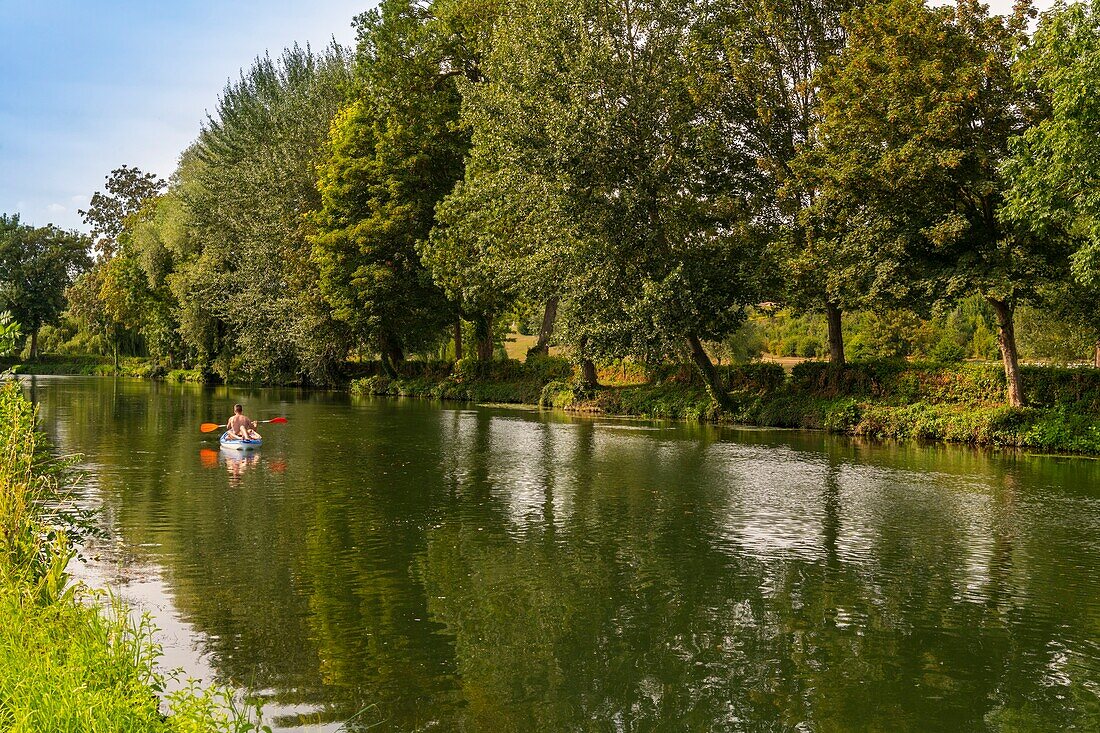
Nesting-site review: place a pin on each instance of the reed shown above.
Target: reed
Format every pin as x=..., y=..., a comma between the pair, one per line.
x=70, y=659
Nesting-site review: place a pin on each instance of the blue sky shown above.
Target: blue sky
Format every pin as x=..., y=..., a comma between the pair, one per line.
x=86, y=86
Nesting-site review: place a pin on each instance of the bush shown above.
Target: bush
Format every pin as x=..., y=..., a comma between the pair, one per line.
x=947, y=351
x=760, y=377
x=843, y=417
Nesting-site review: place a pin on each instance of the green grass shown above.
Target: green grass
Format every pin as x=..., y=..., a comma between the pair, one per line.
x=69, y=661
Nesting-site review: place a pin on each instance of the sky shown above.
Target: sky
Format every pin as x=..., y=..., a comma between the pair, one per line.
x=89, y=85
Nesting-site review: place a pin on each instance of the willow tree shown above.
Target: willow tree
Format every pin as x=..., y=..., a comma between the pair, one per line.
x=917, y=114
x=250, y=182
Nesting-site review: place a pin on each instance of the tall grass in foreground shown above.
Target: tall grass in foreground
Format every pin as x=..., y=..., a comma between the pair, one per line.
x=69, y=660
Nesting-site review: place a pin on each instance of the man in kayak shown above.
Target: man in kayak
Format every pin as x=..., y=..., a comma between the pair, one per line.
x=240, y=427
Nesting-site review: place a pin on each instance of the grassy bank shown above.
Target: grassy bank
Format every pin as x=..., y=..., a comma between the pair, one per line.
x=70, y=660
x=886, y=399
x=499, y=381
x=97, y=366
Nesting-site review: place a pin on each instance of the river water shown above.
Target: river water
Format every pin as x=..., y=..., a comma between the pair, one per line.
x=393, y=565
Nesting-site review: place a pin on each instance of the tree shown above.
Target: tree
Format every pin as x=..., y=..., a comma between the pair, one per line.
x=1055, y=164
x=613, y=113
x=36, y=266
x=916, y=117
x=244, y=272
x=104, y=301
x=127, y=189
x=769, y=52
x=393, y=154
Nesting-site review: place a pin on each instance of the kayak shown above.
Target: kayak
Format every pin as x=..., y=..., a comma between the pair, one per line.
x=230, y=443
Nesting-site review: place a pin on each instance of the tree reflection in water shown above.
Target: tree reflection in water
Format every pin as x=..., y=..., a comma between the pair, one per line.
x=450, y=569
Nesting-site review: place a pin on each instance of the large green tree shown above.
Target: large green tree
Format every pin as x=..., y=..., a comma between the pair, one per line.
x=1055, y=165
x=114, y=299
x=769, y=53
x=37, y=264
x=916, y=118
x=393, y=154
x=248, y=184
x=612, y=111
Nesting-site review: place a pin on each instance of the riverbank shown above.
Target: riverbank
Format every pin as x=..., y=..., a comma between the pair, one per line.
x=884, y=399
x=71, y=660
x=98, y=366
x=880, y=399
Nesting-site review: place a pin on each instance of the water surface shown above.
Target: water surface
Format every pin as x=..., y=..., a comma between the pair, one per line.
x=392, y=565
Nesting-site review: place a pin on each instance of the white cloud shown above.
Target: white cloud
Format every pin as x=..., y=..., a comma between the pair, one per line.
x=56, y=209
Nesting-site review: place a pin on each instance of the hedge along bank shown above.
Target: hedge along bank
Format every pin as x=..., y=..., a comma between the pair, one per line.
x=885, y=399
x=70, y=659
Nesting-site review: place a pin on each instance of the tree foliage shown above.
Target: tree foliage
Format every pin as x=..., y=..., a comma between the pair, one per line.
x=640, y=172
x=242, y=262
x=394, y=152
x=916, y=117
x=9, y=333
x=603, y=112
x=127, y=189
x=36, y=266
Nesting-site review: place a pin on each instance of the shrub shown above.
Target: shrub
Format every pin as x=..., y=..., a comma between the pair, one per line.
x=843, y=416
x=760, y=377
x=947, y=351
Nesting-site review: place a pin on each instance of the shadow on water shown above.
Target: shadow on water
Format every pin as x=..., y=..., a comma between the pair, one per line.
x=417, y=567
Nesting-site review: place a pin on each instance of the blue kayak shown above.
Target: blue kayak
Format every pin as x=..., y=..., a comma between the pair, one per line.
x=230, y=443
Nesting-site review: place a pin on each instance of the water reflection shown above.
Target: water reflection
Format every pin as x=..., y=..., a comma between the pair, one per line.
x=418, y=568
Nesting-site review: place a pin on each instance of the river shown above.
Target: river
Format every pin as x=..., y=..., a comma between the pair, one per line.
x=393, y=565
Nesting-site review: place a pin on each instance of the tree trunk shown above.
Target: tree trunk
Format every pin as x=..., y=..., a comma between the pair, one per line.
x=115, y=343
x=1006, y=338
x=546, y=332
x=589, y=377
x=484, y=332
x=710, y=374
x=1096, y=356
x=34, y=344
x=392, y=354
x=458, y=339
x=836, y=336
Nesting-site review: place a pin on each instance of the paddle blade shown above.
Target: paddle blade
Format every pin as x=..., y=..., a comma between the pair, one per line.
x=277, y=420
x=209, y=427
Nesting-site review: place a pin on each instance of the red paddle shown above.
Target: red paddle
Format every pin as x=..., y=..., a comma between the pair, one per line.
x=209, y=427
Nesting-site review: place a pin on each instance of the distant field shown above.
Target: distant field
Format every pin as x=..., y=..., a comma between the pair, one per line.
x=516, y=344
